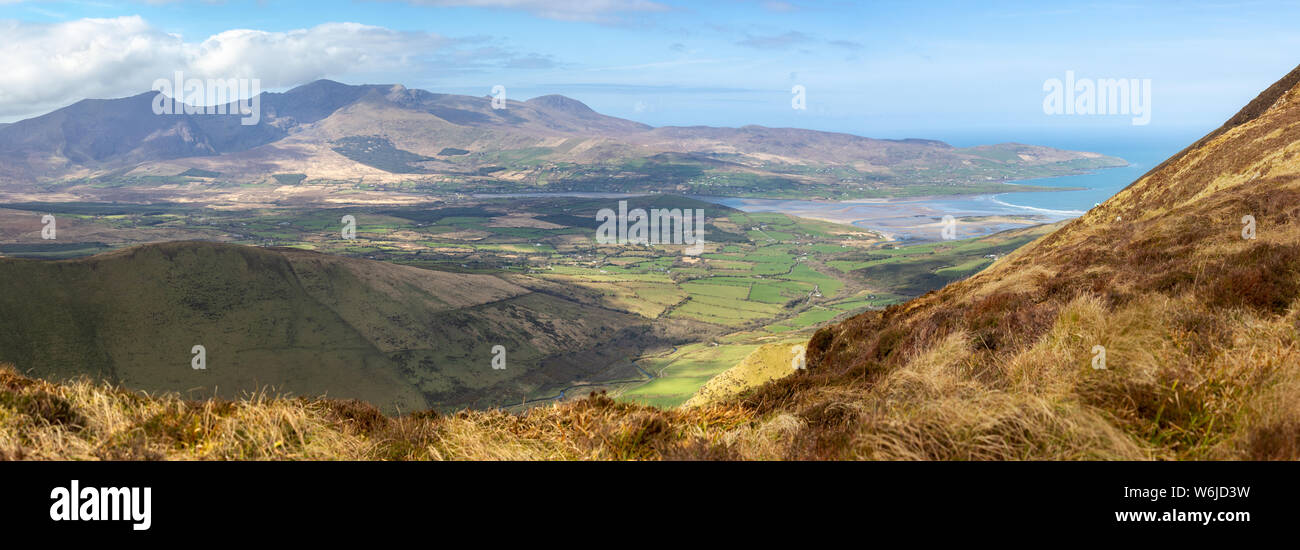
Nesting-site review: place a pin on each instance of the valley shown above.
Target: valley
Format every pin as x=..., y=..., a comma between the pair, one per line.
x=448, y=200
x=423, y=292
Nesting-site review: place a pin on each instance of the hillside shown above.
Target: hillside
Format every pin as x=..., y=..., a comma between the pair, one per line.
x=303, y=323
x=327, y=134
x=1198, y=325
x=768, y=362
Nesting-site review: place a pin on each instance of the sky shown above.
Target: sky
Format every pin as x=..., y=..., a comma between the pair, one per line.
x=965, y=72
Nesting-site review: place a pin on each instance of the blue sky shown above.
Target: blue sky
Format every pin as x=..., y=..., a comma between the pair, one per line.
x=962, y=71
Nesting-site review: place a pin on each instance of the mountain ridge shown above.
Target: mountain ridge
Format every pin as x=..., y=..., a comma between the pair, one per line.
x=545, y=138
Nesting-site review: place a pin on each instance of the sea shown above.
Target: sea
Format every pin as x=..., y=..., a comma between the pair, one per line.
x=899, y=218
x=903, y=218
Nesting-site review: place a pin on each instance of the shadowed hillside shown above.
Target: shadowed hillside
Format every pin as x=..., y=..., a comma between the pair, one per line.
x=301, y=322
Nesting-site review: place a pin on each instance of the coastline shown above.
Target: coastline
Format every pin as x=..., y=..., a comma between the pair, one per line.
x=910, y=218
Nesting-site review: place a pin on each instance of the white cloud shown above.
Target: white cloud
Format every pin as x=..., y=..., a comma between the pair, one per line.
x=287, y=58
x=49, y=65
x=565, y=10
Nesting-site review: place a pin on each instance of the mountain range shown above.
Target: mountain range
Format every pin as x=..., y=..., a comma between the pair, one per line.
x=326, y=131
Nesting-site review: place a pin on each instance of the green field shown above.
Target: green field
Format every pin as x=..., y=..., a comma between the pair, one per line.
x=680, y=374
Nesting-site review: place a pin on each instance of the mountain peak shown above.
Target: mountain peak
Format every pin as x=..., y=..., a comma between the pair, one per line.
x=318, y=86
x=561, y=103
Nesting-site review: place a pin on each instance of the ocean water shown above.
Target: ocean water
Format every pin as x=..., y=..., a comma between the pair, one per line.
x=1099, y=185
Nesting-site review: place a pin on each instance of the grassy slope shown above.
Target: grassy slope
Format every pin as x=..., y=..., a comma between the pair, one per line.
x=681, y=374
x=1198, y=324
x=766, y=363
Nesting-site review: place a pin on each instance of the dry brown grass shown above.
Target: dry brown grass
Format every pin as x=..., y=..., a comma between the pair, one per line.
x=84, y=420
